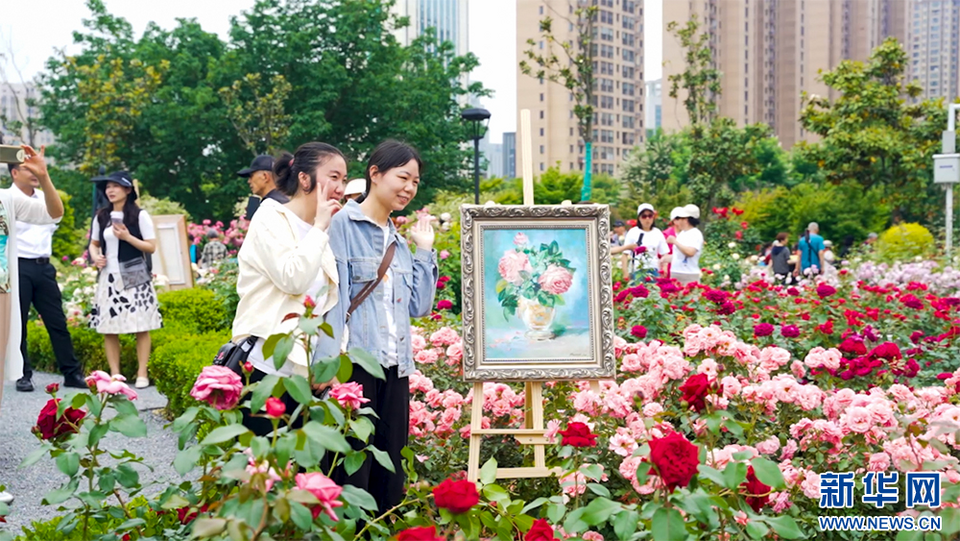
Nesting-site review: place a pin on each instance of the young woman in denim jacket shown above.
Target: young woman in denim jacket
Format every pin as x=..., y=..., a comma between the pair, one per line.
x=359, y=236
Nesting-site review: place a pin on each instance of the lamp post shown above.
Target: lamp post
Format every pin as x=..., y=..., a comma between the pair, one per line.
x=478, y=127
x=946, y=169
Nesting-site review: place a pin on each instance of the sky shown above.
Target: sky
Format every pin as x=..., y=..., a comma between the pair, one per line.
x=492, y=38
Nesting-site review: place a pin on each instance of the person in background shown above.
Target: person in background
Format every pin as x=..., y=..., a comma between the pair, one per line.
x=285, y=257
x=618, y=234
x=122, y=238
x=688, y=245
x=670, y=231
x=15, y=207
x=828, y=256
x=871, y=240
x=780, y=259
x=214, y=251
x=262, y=183
x=39, y=287
x=354, y=189
x=363, y=238
x=811, y=252
x=647, y=244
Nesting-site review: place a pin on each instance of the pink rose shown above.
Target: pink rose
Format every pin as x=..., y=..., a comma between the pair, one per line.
x=520, y=240
x=324, y=489
x=512, y=264
x=349, y=395
x=218, y=386
x=443, y=254
x=275, y=407
x=556, y=280
x=102, y=382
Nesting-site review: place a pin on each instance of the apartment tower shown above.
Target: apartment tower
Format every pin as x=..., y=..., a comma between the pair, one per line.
x=771, y=51
x=617, y=52
x=448, y=17
x=933, y=42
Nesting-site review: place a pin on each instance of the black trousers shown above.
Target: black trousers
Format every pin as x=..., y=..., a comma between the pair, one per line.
x=38, y=286
x=390, y=398
x=263, y=426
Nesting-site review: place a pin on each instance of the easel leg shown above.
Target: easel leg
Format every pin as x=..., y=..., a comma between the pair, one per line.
x=534, y=419
x=476, y=421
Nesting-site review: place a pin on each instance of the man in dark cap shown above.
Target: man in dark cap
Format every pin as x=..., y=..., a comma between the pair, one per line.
x=260, y=177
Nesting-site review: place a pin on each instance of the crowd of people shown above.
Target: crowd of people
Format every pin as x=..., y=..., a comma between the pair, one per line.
x=646, y=253
x=312, y=234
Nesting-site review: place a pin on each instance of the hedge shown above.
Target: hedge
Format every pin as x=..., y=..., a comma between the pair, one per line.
x=193, y=331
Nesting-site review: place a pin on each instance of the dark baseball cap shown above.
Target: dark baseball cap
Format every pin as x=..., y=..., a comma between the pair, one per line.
x=120, y=177
x=260, y=163
x=619, y=223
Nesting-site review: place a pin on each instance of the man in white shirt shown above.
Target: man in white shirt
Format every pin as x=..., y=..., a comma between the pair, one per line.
x=39, y=287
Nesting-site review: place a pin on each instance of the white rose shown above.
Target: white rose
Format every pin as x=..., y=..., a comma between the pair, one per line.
x=732, y=245
x=445, y=217
x=716, y=266
x=735, y=256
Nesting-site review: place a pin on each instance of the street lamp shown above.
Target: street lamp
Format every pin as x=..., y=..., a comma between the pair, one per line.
x=478, y=128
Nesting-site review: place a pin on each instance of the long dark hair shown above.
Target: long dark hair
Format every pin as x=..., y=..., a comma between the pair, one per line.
x=306, y=159
x=131, y=211
x=388, y=155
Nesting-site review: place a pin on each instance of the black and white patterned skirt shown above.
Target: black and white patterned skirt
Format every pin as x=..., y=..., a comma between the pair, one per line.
x=124, y=311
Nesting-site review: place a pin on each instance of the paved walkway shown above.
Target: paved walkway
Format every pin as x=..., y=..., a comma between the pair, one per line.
x=18, y=414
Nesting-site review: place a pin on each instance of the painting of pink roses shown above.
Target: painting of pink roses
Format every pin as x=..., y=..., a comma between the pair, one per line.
x=536, y=293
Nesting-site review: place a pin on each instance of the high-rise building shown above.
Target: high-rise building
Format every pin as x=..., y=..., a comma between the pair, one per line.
x=448, y=17
x=13, y=107
x=617, y=52
x=653, y=105
x=770, y=51
x=491, y=156
x=933, y=42
x=509, y=155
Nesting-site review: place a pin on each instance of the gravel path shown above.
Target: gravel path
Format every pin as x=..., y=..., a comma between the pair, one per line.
x=18, y=415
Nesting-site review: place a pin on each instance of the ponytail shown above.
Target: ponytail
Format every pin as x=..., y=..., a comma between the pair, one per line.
x=307, y=158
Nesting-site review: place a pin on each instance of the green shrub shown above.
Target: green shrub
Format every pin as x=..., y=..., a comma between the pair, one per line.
x=175, y=364
x=154, y=524
x=905, y=241
x=196, y=310
x=87, y=345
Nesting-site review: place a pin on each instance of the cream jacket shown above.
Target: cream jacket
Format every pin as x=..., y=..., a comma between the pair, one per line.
x=277, y=268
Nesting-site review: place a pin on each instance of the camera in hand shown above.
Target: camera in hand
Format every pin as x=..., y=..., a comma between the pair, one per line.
x=12, y=154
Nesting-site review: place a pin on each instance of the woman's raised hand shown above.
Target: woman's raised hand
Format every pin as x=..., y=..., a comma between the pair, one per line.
x=326, y=207
x=422, y=232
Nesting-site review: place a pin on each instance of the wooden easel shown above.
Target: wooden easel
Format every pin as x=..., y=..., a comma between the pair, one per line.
x=534, y=432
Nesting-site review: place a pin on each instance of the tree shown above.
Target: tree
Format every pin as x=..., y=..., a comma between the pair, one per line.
x=573, y=70
x=553, y=188
x=872, y=134
x=699, y=79
x=261, y=122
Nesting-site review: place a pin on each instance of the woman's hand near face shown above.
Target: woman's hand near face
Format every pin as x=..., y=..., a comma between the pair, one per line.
x=326, y=207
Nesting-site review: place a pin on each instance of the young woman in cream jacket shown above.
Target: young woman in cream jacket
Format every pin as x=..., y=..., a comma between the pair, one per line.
x=286, y=257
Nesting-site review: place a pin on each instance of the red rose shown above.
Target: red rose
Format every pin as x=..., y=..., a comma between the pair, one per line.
x=886, y=350
x=309, y=303
x=275, y=407
x=51, y=426
x=695, y=391
x=53, y=387
x=853, y=346
x=758, y=493
x=578, y=435
x=540, y=531
x=639, y=331
x=456, y=496
x=762, y=329
x=423, y=533
x=444, y=305
x=790, y=331
x=675, y=459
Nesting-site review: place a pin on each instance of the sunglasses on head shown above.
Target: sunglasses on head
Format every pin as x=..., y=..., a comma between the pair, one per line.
x=647, y=215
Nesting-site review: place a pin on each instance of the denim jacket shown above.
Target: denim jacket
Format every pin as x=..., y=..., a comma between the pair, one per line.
x=357, y=243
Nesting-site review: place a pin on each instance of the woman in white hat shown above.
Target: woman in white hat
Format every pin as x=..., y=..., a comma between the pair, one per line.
x=647, y=243
x=354, y=189
x=688, y=245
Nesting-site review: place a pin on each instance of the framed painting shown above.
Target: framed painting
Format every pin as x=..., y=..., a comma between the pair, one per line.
x=537, y=297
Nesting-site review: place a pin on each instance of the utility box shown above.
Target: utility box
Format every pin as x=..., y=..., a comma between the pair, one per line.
x=946, y=168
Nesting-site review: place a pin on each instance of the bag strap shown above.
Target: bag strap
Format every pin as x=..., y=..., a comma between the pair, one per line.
x=362, y=295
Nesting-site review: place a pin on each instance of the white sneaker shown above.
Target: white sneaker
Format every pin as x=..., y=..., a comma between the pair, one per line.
x=142, y=383
x=6, y=497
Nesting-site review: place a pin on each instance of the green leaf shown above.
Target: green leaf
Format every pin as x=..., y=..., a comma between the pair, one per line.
x=353, y=461
x=625, y=524
x=362, y=428
x=496, y=493
x=599, y=489
x=127, y=476
x=768, y=473
x=299, y=389
x=345, y=372
x=599, y=510
x=301, y=516
x=383, y=459
x=712, y=474
x=533, y=505
x=574, y=522
x=359, y=497
x=97, y=432
x=734, y=475
x=555, y=512
x=263, y=391
x=223, y=434
x=785, y=526
x=326, y=437
x=208, y=527
x=592, y=472
x=327, y=329
x=368, y=362
x=131, y=524
x=325, y=370
x=35, y=456
x=62, y=494
x=282, y=351
x=186, y=460
x=951, y=521
x=668, y=525
x=68, y=463
x=130, y=426
x=757, y=529
x=488, y=473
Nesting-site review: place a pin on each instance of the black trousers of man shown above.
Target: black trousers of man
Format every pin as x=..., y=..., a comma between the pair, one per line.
x=390, y=398
x=38, y=286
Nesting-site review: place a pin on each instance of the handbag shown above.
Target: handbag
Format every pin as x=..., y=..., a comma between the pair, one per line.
x=134, y=273
x=365, y=292
x=233, y=355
